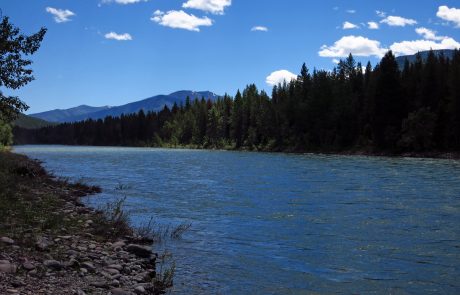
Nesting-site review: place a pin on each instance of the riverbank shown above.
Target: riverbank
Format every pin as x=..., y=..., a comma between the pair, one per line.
x=50, y=243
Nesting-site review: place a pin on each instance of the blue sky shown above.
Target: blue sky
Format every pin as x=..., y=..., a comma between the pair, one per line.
x=111, y=52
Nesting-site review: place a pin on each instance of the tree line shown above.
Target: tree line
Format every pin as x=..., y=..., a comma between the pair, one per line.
x=385, y=108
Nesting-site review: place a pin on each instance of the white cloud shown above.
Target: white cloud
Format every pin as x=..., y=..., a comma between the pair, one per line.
x=381, y=13
x=180, y=20
x=356, y=45
x=213, y=6
x=373, y=25
x=335, y=60
x=259, y=29
x=60, y=15
x=397, y=21
x=429, y=34
x=351, y=11
x=348, y=25
x=412, y=47
x=449, y=14
x=124, y=2
x=279, y=77
x=118, y=37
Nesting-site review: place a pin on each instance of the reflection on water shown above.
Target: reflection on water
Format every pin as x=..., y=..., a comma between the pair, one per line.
x=287, y=224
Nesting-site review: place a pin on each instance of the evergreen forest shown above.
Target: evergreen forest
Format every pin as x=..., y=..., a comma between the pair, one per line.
x=386, y=108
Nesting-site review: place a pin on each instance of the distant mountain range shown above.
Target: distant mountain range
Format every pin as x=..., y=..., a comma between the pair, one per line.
x=448, y=53
x=155, y=103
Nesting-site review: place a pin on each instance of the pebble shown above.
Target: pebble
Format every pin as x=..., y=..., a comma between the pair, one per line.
x=88, y=266
x=53, y=264
x=7, y=240
x=7, y=268
x=139, y=290
x=119, y=291
x=28, y=265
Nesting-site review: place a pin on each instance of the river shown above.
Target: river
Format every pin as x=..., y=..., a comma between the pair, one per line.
x=265, y=223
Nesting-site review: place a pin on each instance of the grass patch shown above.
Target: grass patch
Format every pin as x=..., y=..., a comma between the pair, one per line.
x=32, y=201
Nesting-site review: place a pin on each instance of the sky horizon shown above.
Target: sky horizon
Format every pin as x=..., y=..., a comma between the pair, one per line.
x=112, y=52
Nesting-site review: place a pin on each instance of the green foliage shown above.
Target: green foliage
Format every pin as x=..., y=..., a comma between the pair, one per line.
x=418, y=130
x=6, y=134
x=380, y=109
x=27, y=122
x=14, y=70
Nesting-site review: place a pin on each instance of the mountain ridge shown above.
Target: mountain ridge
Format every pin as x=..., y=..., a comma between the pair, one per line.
x=153, y=103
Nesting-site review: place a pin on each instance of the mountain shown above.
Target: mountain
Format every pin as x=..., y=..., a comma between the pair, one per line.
x=155, y=103
x=63, y=115
x=448, y=53
x=28, y=122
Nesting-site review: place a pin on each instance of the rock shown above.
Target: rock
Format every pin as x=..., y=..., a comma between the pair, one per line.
x=112, y=271
x=88, y=266
x=99, y=284
x=116, y=283
x=139, y=290
x=28, y=266
x=53, y=264
x=118, y=244
x=118, y=291
x=115, y=266
x=8, y=268
x=6, y=240
x=140, y=251
x=80, y=292
x=83, y=271
x=72, y=263
x=42, y=244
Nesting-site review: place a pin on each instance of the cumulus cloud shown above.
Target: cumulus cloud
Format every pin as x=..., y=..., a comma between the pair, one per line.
x=429, y=34
x=356, y=45
x=449, y=14
x=398, y=21
x=60, y=15
x=279, y=77
x=351, y=11
x=124, y=2
x=212, y=6
x=180, y=20
x=373, y=25
x=412, y=47
x=348, y=26
x=259, y=29
x=118, y=37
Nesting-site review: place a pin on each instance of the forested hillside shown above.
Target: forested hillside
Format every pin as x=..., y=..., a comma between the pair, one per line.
x=350, y=108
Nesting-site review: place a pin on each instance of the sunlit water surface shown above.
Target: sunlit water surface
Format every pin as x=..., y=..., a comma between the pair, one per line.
x=286, y=224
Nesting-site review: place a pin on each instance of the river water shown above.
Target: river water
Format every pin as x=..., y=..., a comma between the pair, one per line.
x=285, y=224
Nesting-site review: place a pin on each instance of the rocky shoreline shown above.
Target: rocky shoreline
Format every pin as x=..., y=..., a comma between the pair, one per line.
x=77, y=252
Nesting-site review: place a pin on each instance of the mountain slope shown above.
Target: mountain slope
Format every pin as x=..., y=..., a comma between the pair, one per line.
x=28, y=122
x=448, y=53
x=62, y=115
x=155, y=103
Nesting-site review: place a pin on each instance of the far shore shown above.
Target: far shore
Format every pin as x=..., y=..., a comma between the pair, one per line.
x=448, y=155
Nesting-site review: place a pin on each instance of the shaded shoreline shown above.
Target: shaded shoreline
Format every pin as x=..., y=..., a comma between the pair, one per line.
x=51, y=243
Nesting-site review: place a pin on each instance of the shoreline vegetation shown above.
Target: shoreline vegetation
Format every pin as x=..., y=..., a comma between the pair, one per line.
x=51, y=243
x=381, y=110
